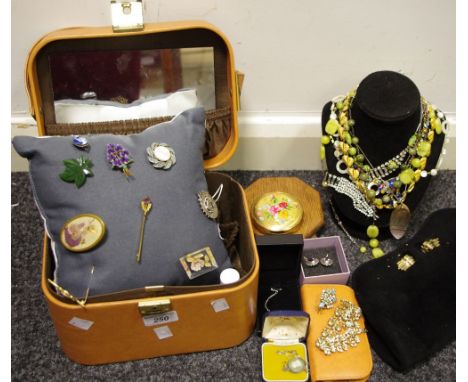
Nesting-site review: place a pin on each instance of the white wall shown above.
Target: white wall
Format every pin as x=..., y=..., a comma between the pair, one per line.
x=296, y=54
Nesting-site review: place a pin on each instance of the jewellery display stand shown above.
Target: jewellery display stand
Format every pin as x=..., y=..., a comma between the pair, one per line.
x=353, y=364
x=284, y=353
x=337, y=273
x=280, y=260
x=386, y=111
x=410, y=314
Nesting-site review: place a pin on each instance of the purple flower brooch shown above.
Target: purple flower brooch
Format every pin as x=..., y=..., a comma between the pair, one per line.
x=119, y=157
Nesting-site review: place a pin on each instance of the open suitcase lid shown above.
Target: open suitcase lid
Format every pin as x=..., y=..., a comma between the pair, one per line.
x=154, y=43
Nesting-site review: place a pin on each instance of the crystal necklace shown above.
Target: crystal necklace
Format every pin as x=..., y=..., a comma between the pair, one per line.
x=369, y=186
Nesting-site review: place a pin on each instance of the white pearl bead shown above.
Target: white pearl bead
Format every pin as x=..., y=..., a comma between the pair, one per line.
x=433, y=172
x=440, y=114
x=423, y=173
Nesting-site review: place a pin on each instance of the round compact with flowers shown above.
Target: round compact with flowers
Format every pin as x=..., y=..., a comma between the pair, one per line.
x=386, y=185
x=277, y=212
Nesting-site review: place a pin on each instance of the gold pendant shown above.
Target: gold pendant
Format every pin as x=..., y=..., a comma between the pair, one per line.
x=399, y=221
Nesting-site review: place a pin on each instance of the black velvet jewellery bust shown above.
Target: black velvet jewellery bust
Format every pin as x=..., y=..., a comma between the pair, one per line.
x=380, y=144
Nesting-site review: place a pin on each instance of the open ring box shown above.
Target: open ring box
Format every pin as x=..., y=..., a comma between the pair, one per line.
x=337, y=273
x=284, y=352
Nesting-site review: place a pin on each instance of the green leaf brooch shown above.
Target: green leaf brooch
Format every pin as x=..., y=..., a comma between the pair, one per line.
x=76, y=171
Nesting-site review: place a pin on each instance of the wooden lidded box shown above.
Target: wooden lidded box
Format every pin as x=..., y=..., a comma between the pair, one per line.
x=157, y=320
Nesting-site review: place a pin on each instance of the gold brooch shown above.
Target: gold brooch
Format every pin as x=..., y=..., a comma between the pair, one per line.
x=429, y=245
x=406, y=263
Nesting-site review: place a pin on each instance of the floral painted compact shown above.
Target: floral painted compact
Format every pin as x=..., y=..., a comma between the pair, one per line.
x=277, y=212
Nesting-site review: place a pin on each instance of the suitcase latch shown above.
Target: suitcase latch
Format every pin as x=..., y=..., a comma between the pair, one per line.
x=127, y=15
x=154, y=307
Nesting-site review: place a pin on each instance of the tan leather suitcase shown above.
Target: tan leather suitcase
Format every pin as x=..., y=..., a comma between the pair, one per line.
x=157, y=320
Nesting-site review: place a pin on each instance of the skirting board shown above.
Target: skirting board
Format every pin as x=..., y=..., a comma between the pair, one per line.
x=267, y=141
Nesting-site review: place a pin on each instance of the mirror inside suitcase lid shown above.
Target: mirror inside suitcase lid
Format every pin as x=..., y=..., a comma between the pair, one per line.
x=94, y=81
x=147, y=185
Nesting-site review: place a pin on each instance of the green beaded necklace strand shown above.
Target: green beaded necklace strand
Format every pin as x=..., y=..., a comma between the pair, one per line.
x=381, y=193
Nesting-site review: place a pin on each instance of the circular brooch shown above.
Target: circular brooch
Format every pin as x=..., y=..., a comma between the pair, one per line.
x=161, y=155
x=208, y=205
x=82, y=232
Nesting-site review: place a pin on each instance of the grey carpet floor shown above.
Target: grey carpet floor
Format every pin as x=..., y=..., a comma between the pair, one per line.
x=35, y=349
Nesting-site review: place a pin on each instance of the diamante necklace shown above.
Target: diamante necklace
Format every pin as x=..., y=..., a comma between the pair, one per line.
x=369, y=186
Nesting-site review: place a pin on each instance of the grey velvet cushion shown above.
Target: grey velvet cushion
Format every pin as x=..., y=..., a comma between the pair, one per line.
x=174, y=227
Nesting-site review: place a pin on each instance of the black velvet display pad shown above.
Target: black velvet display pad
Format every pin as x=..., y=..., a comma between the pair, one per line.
x=280, y=260
x=386, y=111
x=410, y=315
x=320, y=269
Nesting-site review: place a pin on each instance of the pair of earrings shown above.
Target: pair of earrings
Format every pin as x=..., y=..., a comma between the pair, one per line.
x=314, y=261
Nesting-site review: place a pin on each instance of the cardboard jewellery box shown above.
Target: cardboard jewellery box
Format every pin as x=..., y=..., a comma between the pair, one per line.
x=318, y=248
x=156, y=320
x=284, y=352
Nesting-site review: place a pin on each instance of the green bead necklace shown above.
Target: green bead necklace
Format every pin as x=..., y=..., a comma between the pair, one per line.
x=381, y=189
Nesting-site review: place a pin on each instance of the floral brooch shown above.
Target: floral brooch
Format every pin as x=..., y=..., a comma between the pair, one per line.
x=119, y=157
x=161, y=155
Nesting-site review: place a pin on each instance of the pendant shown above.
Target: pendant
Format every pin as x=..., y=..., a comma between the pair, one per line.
x=399, y=221
x=161, y=156
x=76, y=171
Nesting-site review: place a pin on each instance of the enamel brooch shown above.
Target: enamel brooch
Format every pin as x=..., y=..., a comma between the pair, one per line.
x=76, y=171
x=82, y=232
x=161, y=156
x=119, y=157
x=80, y=142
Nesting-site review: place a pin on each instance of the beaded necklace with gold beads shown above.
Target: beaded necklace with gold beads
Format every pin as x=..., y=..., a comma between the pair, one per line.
x=367, y=186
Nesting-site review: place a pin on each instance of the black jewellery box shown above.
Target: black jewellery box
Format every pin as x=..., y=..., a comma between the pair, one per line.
x=280, y=266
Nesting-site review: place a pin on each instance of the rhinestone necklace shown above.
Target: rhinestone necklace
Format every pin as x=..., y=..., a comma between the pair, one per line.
x=366, y=184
